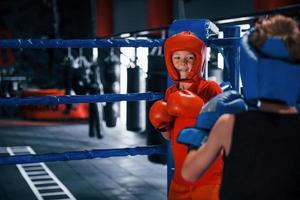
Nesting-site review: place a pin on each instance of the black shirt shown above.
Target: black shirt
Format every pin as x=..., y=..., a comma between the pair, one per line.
x=264, y=160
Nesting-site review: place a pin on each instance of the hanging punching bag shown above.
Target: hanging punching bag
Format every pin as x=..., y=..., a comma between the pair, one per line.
x=111, y=84
x=95, y=88
x=135, y=113
x=67, y=66
x=156, y=82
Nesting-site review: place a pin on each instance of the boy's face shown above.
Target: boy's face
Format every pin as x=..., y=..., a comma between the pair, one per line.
x=183, y=62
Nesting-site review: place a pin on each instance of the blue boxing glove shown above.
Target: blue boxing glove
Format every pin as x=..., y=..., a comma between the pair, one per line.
x=225, y=86
x=227, y=102
x=192, y=137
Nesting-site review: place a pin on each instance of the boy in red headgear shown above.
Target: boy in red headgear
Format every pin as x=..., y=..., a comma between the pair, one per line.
x=184, y=58
x=261, y=144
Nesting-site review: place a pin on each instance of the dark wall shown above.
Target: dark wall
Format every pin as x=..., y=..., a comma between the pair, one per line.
x=77, y=18
x=36, y=18
x=26, y=18
x=214, y=9
x=129, y=15
x=66, y=19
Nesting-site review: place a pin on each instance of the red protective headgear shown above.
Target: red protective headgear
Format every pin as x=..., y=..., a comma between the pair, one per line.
x=187, y=41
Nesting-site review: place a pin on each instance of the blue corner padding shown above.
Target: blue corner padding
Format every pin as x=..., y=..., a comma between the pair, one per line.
x=203, y=28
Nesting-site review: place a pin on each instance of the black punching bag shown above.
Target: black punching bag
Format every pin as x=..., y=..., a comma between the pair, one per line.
x=111, y=84
x=156, y=82
x=135, y=113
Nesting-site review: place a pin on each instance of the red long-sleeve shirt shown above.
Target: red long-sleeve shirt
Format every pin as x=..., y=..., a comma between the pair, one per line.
x=205, y=90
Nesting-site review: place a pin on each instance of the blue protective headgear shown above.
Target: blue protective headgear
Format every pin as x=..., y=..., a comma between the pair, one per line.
x=270, y=73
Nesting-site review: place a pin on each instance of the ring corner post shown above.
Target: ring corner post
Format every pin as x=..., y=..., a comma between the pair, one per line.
x=232, y=54
x=170, y=159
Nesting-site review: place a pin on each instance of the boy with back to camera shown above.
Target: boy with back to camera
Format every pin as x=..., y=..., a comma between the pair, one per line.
x=261, y=145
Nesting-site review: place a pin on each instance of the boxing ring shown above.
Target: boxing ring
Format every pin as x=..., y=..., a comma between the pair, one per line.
x=230, y=42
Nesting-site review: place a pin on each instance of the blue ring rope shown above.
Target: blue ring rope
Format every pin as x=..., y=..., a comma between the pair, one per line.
x=82, y=155
x=101, y=43
x=52, y=100
x=79, y=43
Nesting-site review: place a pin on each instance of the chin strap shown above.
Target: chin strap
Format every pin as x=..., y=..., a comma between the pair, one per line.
x=191, y=80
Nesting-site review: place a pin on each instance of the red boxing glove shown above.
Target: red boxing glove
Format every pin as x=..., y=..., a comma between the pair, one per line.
x=159, y=116
x=184, y=103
